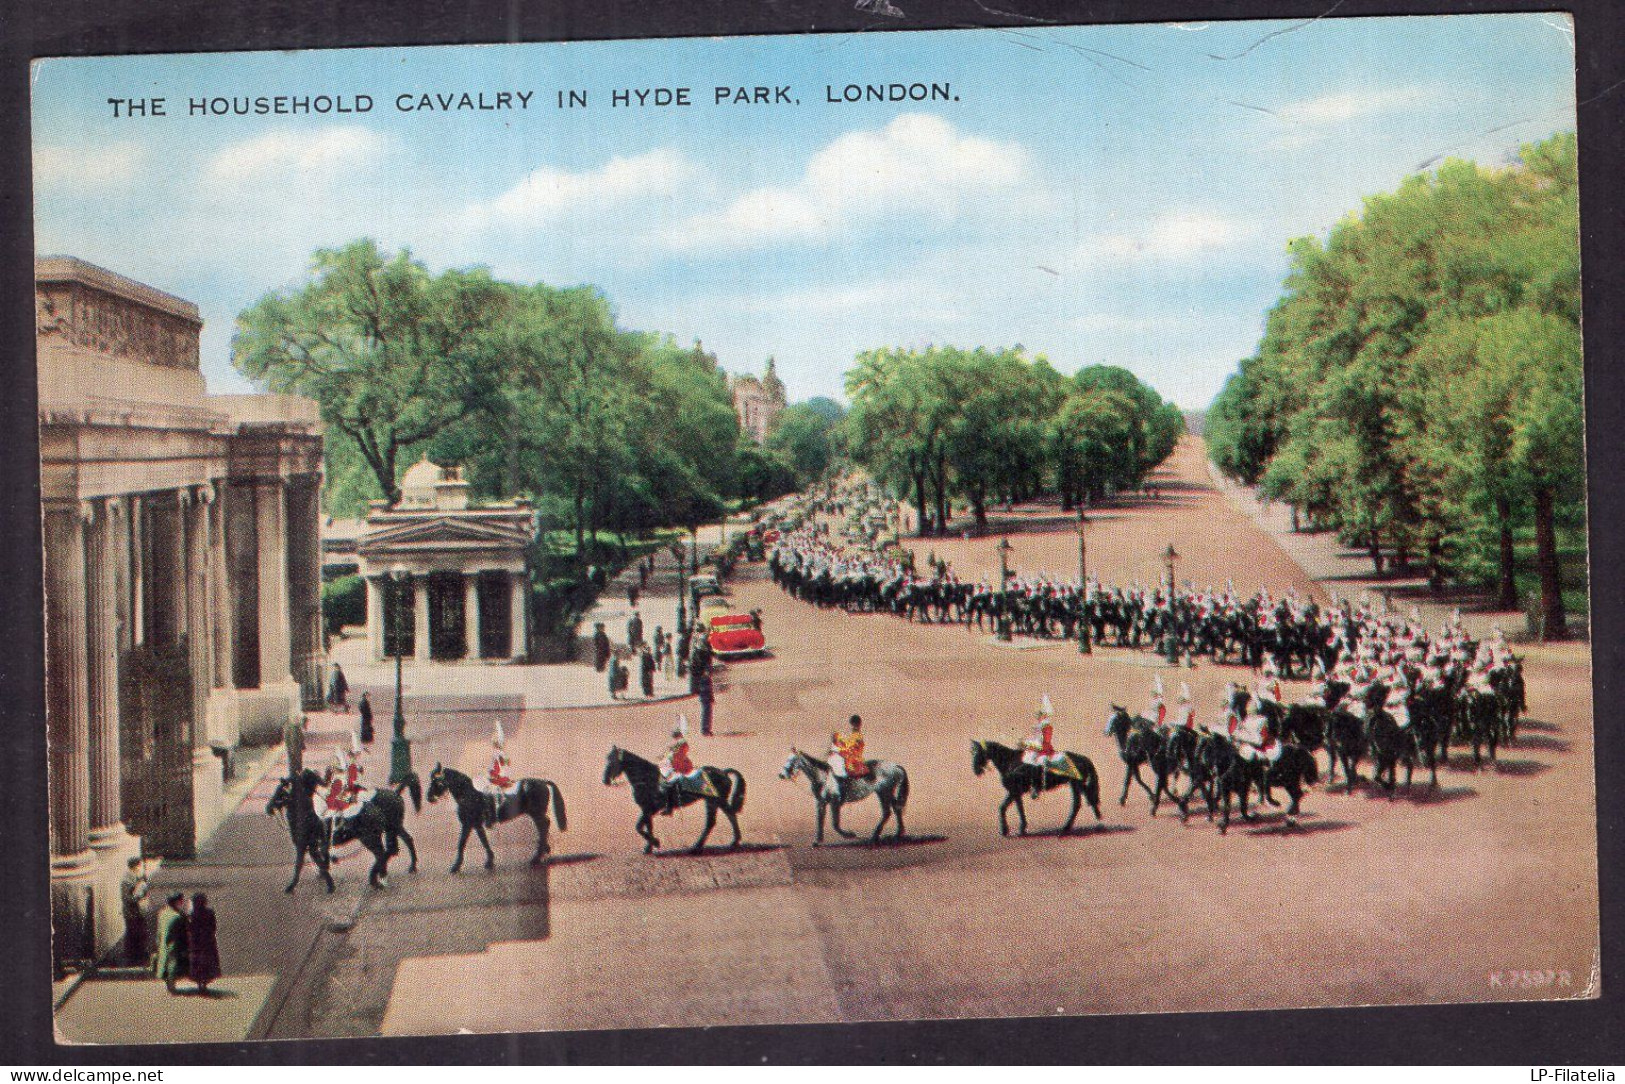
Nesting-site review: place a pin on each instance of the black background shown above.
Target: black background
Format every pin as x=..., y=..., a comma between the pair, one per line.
x=1569, y=1033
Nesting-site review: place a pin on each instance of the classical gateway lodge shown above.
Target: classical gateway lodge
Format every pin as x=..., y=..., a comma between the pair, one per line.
x=446, y=581
x=182, y=582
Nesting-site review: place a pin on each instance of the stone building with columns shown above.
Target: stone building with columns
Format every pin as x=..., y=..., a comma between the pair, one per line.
x=182, y=582
x=446, y=581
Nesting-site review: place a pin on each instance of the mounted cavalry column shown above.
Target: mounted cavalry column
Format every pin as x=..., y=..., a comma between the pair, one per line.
x=67, y=721
x=471, y=615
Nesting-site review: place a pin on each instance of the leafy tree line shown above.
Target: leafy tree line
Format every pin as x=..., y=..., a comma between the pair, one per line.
x=535, y=389
x=984, y=425
x=1419, y=385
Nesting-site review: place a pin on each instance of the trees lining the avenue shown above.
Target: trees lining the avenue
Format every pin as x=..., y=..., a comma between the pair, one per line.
x=1419, y=385
x=986, y=425
x=535, y=390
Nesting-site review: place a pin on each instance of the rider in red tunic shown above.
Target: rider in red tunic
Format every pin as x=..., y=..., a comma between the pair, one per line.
x=498, y=776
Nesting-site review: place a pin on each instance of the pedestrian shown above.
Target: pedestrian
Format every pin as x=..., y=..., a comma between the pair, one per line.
x=338, y=690
x=132, y=894
x=631, y=594
x=203, y=950
x=634, y=631
x=683, y=639
x=646, y=672
x=618, y=676
x=661, y=647
x=171, y=964
x=364, y=709
x=600, y=647
x=707, y=694
x=293, y=740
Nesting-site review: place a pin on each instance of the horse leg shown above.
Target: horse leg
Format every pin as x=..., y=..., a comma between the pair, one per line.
x=1077, y=804
x=462, y=842
x=1128, y=776
x=540, y=820
x=490, y=855
x=885, y=815
x=1296, y=791
x=1138, y=778
x=1021, y=813
x=411, y=848
x=835, y=821
x=298, y=865
x=733, y=822
x=710, y=822
x=820, y=840
x=646, y=830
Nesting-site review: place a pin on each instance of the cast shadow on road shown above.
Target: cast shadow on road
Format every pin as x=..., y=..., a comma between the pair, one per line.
x=1542, y=741
x=1539, y=726
x=1279, y=827
x=1519, y=767
x=884, y=843
x=1419, y=793
x=719, y=850
x=1076, y=832
x=571, y=859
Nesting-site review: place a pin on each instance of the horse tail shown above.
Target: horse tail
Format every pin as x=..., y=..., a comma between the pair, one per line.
x=900, y=797
x=736, y=790
x=1091, y=782
x=413, y=787
x=1311, y=770
x=558, y=807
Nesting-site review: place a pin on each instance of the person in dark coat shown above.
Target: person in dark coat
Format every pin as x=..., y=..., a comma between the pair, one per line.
x=634, y=631
x=631, y=594
x=646, y=672
x=172, y=964
x=132, y=891
x=600, y=647
x=338, y=690
x=707, y=694
x=203, y=950
x=617, y=676
x=364, y=709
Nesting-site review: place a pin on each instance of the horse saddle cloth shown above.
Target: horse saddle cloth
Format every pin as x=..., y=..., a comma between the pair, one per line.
x=1063, y=768
x=698, y=783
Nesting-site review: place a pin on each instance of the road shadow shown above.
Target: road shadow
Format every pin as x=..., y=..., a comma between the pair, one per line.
x=735, y=734
x=886, y=842
x=1303, y=828
x=1420, y=793
x=1520, y=767
x=1539, y=726
x=571, y=859
x=1077, y=831
x=717, y=850
x=1542, y=741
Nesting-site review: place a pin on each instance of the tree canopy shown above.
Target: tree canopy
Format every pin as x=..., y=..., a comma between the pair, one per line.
x=1419, y=384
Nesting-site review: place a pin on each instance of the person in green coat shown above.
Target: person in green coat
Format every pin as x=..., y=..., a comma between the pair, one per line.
x=173, y=951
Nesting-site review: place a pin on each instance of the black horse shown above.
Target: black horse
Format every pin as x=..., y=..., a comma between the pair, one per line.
x=726, y=786
x=1019, y=778
x=1391, y=745
x=1140, y=745
x=476, y=810
x=379, y=826
x=1229, y=775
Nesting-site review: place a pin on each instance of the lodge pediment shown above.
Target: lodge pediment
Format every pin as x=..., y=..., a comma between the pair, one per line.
x=441, y=533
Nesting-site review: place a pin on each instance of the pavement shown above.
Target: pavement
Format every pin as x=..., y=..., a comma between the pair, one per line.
x=1372, y=899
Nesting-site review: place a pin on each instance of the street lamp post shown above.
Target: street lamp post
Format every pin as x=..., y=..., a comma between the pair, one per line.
x=400, y=748
x=1084, y=647
x=1004, y=589
x=1170, y=556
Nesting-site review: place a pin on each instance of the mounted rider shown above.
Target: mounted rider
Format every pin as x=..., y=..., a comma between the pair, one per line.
x=499, y=781
x=678, y=771
x=1038, y=751
x=846, y=759
x=1156, y=710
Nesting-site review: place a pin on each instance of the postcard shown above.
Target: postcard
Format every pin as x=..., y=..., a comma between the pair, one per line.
x=820, y=528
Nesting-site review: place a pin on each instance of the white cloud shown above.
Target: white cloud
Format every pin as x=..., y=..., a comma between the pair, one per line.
x=918, y=167
x=548, y=194
x=99, y=168
x=279, y=157
x=1172, y=237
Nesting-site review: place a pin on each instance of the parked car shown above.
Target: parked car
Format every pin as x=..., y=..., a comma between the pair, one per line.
x=735, y=636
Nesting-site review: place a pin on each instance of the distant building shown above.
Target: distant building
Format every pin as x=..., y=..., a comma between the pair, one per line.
x=758, y=402
x=446, y=581
x=182, y=583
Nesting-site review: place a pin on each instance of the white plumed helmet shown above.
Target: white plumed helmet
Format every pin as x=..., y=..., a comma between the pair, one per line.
x=499, y=737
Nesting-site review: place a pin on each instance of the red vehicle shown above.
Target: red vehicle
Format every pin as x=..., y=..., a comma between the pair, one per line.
x=734, y=636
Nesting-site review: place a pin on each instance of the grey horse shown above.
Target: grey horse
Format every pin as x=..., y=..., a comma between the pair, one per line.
x=888, y=782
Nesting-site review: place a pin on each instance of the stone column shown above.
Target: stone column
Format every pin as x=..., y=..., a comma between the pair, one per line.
x=517, y=615
x=271, y=523
x=208, y=773
x=375, y=618
x=138, y=572
x=305, y=585
x=67, y=721
x=102, y=670
x=223, y=724
x=420, y=618
x=471, y=615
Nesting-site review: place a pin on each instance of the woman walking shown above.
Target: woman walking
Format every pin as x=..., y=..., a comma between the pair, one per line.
x=174, y=948
x=203, y=951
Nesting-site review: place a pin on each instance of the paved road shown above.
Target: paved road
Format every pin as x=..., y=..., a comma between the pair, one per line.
x=1419, y=899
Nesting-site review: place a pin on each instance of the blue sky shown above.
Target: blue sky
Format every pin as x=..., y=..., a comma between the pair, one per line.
x=1116, y=194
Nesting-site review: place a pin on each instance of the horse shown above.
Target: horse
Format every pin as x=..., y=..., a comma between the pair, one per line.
x=1138, y=743
x=476, y=809
x=888, y=782
x=727, y=788
x=379, y=826
x=1018, y=778
x=1390, y=744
